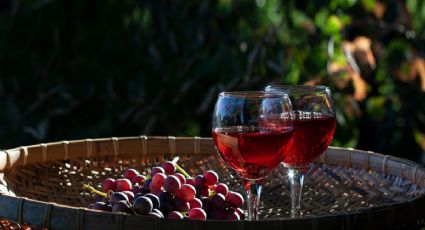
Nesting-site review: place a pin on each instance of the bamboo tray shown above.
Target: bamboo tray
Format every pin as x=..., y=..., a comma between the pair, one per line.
x=345, y=189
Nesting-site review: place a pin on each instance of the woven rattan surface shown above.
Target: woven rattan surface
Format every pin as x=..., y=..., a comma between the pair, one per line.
x=343, y=182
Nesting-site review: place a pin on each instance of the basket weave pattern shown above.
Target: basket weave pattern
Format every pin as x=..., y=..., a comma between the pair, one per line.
x=343, y=182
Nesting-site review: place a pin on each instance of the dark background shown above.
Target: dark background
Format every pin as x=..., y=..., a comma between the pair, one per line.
x=87, y=69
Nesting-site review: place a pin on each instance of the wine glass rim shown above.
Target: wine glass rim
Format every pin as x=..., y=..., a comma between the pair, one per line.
x=298, y=87
x=253, y=94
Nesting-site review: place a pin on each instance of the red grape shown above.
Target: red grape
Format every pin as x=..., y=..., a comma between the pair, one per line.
x=156, y=215
x=197, y=214
x=165, y=197
x=187, y=192
x=175, y=215
x=138, y=195
x=165, y=208
x=154, y=189
x=181, y=205
x=206, y=203
x=217, y=214
x=139, y=179
x=190, y=181
x=195, y=203
x=234, y=199
x=118, y=196
x=172, y=184
x=158, y=180
x=137, y=189
x=154, y=198
x=156, y=192
x=121, y=206
x=240, y=213
x=129, y=194
x=222, y=189
x=210, y=177
x=212, y=187
x=218, y=200
x=168, y=167
x=108, y=185
x=101, y=206
x=202, y=191
x=181, y=178
x=123, y=185
x=199, y=180
x=142, y=205
x=130, y=173
x=156, y=170
x=158, y=212
x=147, y=184
x=232, y=215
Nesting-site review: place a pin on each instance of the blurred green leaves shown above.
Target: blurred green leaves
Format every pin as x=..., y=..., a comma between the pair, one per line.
x=375, y=108
x=368, y=4
x=333, y=25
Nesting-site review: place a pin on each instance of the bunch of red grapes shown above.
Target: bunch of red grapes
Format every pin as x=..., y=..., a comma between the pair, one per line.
x=166, y=193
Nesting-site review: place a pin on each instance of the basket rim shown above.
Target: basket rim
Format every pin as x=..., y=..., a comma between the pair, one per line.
x=18, y=156
x=343, y=219
x=18, y=205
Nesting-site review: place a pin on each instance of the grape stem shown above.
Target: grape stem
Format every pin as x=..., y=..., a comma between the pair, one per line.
x=93, y=190
x=174, y=161
x=180, y=169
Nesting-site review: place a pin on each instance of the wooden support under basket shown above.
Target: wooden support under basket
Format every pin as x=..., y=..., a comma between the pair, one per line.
x=346, y=188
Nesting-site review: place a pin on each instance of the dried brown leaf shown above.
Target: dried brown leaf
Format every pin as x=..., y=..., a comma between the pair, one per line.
x=361, y=47
x=419, y=64
x=360, y=86
x=379, y=9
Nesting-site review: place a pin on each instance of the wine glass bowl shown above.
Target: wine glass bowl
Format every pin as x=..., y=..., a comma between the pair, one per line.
x=314, y=126
x=250, y=130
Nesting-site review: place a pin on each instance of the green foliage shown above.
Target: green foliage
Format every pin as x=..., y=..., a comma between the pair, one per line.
x=86, y=69
x=368, y=4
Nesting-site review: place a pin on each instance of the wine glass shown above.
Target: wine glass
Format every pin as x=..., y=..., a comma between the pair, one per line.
x=314, y=127
x=250, y=130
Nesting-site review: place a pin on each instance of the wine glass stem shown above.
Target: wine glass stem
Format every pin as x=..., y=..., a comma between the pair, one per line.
x=253, y=192
x=296, y=181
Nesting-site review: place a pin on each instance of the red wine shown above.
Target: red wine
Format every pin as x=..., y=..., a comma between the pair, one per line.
x=311, y=138
x=252, y=153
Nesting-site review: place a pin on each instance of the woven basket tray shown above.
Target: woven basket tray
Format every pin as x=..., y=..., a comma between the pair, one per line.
x=345, y=189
